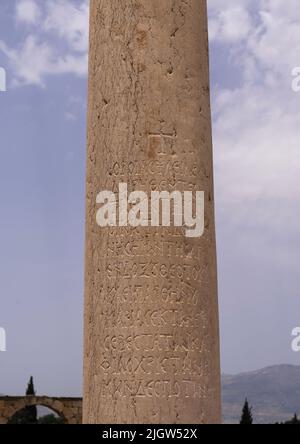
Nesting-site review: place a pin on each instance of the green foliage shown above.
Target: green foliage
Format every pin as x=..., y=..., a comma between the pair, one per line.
x=50, y=419
x=30, y=388
x=295, y=420
x=29, y=414
x=31, y=411
x=246, y=417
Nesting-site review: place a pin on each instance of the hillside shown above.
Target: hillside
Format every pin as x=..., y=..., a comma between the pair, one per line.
x=274, y=393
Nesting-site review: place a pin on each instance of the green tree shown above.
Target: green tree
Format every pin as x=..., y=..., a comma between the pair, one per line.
x=246, y=417
x=50, y=419
x=30, y=388
x=31, y=411
x=29, y=414
x=295, y=420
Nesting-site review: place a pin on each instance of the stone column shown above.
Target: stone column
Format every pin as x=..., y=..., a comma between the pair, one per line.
x=151, y=312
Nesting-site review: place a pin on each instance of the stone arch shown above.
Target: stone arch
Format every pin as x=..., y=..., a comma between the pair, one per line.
x=43, y=402
x=69, y=409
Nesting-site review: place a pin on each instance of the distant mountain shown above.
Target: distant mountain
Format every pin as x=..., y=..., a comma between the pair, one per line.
x=273, y=392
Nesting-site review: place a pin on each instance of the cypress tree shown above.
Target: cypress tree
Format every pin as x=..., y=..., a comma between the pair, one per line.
x=31, y=411
x=28, y=415
x=246, y=417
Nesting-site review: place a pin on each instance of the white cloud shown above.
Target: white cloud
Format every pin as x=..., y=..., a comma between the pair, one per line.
x=32, y=62
x=27, y=11
x=230, y=24
x=257, y=142
x=256, y=123
x=69, y=22
x=275, y=42
x=56, y=41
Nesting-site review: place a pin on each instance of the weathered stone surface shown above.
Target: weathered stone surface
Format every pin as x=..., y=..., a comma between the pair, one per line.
x=151, y=315
x=69, y=409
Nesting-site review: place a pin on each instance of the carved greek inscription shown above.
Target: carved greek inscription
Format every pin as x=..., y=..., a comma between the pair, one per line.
x=158, y=342
x=152, y=365
x=170, y=295
x=148, y=270
x=153, y=281
x=161, y=388
x=154, y=167
x=171, y=248
x=125, y=317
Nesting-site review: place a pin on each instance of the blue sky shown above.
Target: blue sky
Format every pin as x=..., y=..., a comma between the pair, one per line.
x=43, y=47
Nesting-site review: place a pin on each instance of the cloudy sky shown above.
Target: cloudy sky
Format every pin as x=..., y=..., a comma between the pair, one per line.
x=43, y=47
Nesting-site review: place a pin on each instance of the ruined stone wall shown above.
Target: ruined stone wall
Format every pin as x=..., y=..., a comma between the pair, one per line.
x=70, y=409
